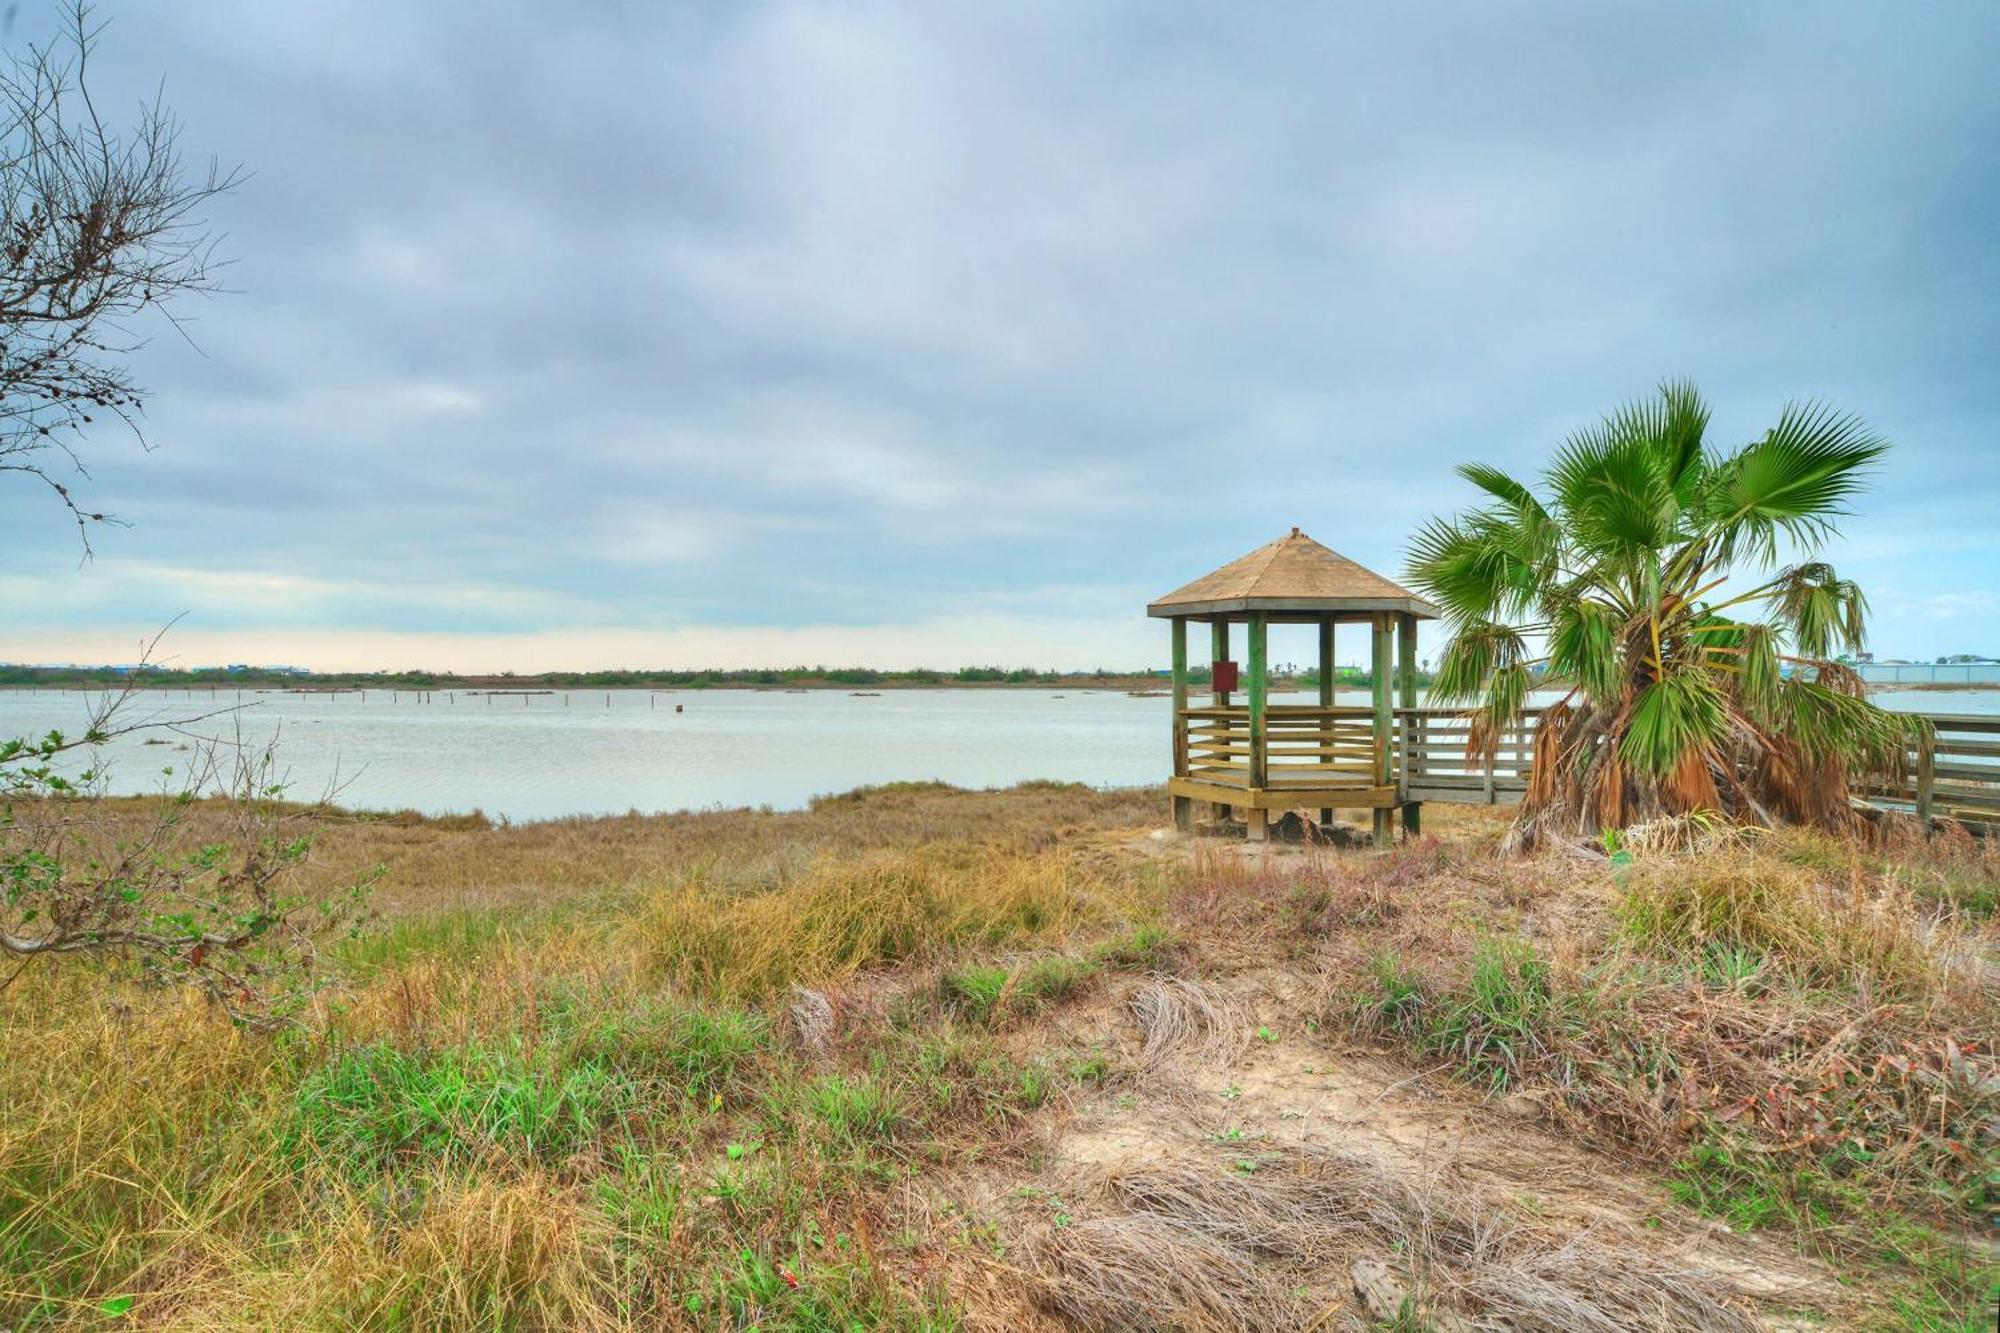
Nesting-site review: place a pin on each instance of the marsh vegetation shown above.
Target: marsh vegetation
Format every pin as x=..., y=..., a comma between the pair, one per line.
x=917, y=1057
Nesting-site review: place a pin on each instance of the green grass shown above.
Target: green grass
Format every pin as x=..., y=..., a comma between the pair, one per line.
x=373, y=1107
x=1507, y=1018
x=984, y=992
x=459, y=933
x=690, y=1052
x=1937, y=1282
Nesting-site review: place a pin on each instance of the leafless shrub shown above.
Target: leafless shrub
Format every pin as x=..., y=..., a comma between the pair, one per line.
x=97, y=225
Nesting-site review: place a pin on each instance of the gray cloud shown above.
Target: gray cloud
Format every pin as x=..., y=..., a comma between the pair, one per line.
x=659, y=317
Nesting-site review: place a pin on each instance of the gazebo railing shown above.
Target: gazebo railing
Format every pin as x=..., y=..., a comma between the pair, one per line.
x=1428, y=751
x=1304, y=746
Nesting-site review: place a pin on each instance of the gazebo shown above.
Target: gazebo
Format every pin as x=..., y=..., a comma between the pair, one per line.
x=1262, y=758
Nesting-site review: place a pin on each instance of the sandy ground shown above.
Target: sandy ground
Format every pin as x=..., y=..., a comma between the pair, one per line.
x=1260, y=1087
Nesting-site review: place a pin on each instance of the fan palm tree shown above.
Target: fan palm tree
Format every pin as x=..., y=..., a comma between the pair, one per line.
x=1674, y=592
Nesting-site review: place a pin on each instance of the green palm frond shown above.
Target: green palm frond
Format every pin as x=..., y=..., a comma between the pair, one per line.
x=1760, y=672
x=1683, y=428
x=1796, y=480
x=1583, y=646
x=1674, y=716
x=1827, y=723
x=1613, y=492
x=1824, y=612
x=1475, y=655
x=1501, y=486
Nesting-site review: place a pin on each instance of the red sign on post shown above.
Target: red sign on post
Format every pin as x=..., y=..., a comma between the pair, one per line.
x=1223, y=677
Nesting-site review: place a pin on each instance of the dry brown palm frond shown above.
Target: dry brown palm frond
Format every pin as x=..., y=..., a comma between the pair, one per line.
x=1695, y=832
x=1608, y=795
x=1691, y=784
x=1547, y=776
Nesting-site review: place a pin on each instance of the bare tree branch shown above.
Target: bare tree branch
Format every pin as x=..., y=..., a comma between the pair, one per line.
x=97, y=225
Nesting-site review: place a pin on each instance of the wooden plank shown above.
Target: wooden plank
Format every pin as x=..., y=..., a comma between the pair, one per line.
x=1358, y=797
x=1964, y=794
x=1972, y=749
x=1970, y=772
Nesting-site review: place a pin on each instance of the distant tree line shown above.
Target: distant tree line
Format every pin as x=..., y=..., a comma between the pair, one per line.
x=267, y=677
x=251, y=677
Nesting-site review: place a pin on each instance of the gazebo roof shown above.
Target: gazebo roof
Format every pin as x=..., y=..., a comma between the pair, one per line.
x=1292, y=574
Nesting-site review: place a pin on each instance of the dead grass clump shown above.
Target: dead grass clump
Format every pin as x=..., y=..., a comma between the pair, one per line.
x=1181, y=1018
x=1695, y=832
x=810, y=1020
x=888, y=908
x=1860, y=934
x=525, y=1254
x=1140, y=1271
x=1312, y=1209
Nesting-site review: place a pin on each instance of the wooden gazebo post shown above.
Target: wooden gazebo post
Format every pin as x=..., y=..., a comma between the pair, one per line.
x=1326, y=677
x=1183, y=806
x=1385, y=725
x=1406, y=688
x=1262, y=759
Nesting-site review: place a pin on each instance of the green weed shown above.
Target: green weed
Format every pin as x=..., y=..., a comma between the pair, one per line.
x=373, y=1106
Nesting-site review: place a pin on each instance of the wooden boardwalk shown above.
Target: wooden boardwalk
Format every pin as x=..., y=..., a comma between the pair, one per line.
x=1955, y=776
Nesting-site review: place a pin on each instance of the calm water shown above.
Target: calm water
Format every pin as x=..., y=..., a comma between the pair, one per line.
x=544, y=756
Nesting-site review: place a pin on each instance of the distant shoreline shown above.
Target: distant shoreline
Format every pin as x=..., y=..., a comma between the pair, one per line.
x=1134, y=685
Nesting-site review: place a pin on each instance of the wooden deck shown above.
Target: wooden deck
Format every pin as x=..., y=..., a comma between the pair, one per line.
x=1956, y=776
x=1336, y=758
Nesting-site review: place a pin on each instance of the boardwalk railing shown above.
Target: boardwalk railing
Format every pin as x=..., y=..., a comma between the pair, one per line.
x=1322, y=750
x=1434, y=761
x=1954, y=776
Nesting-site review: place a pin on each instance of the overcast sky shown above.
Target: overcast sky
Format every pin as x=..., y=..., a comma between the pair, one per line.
x=574, y=335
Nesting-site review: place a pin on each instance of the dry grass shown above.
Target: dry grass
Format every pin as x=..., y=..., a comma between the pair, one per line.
x=1179, y=1018
x=696, y=1071
x=1203, y=1243
x=885, y=908
x=1787, y=1025
x=544, y=1097
x=1865, y=932
x=529, y=1253
x=1145, y=1272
